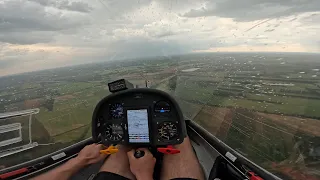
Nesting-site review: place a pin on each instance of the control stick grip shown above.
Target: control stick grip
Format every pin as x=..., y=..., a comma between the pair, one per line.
x=139, y=154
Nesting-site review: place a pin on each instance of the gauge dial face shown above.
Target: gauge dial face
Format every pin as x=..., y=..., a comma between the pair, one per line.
x=114, y=132
x=116, y=111
x=167, y=131
x=162, y=107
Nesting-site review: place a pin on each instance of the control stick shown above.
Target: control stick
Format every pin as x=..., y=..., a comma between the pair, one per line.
x=139, y=154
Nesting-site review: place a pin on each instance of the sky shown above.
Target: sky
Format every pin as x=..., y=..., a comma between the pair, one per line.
x=43, y=34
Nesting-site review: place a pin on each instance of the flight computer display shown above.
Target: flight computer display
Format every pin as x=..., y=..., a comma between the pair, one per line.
x=138, y=127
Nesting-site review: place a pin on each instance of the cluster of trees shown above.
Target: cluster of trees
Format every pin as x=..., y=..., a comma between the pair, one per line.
x=173, y=83
x=48, y=103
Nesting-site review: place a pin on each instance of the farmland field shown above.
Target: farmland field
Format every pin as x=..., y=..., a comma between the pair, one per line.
x=264, y=108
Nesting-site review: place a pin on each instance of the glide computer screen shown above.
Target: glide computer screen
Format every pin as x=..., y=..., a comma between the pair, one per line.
x=138, y=128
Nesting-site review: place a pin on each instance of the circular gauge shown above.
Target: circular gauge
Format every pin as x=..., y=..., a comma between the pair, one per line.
x=116, y=111
x=167, y=131
x=162, y=107
x=114, y=132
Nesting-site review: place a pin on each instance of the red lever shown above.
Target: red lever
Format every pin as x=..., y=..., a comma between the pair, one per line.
x=253, y=176
x=13, y=173
x=168, y=150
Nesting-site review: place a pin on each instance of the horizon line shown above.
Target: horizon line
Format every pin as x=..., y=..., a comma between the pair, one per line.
x=136, y=58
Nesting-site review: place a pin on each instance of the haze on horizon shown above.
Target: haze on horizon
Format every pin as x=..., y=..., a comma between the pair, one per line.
x=43, y=34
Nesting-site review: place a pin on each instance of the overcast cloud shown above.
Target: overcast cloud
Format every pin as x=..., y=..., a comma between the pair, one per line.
x=41, y=34
x=249, y=10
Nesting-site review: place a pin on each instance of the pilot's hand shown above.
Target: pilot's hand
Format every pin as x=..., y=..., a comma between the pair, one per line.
x=90, y=154
x=142, y=167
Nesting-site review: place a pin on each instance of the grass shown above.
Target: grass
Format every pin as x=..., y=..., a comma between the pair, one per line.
x=5, y=93
x=71, y=87
x=30, y=86
x=296, y=106
x=68, y=116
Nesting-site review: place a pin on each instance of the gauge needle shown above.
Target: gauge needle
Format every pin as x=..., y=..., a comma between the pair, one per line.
x=167, y=137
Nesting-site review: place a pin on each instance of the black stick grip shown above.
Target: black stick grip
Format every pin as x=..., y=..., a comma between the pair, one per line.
x=139, y=154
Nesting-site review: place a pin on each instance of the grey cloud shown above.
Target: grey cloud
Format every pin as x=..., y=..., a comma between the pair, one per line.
x=115, y=9
x=92, y=30
x=293, y=19
x=65, y=5
x=78, y=6
x=28, y=23
x=178, y=5
x=23, y=16
x=248, y=10
x=19, y=16
x=311, y=19
x=143, y=47
x=26, y=38
x=167, y=33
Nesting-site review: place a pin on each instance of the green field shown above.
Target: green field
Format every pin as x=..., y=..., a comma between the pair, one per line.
x=67, y=98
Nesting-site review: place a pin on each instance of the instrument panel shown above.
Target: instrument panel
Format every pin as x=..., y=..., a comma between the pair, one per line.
x=138, y=116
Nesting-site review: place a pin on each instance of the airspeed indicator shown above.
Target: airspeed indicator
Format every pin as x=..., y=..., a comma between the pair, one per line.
x=167, y=131
x=114, y=132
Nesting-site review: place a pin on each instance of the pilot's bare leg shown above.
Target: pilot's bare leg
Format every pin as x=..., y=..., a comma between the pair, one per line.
x=182, y=165
x=118, y=163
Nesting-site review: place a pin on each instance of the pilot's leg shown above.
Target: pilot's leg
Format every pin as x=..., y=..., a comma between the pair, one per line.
x=117, y=166
x=182, y=165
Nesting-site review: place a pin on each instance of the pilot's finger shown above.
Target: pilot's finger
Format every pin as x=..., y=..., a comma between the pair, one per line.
x=130, y=154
